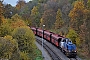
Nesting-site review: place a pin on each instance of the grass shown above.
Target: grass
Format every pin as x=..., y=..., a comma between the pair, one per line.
x=38, y=55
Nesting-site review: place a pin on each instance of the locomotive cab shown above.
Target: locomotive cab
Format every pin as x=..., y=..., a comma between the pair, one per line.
x=71, y=50
x=68, y=48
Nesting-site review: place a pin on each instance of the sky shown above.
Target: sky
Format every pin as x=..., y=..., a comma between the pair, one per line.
x=12, y=2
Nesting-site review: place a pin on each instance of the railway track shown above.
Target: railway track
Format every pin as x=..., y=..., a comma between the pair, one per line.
x=53, y=55
x=73, y=59
x=77, y=58
x=54, y=52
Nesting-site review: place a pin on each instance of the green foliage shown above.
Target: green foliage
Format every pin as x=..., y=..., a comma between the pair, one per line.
x=42, y=1
x=8, y=11
x=72, y=35
x=23, y=48
x=88, y=3
x=59, y=22
x=9, y=48
x=25, y=38
x=71, y=1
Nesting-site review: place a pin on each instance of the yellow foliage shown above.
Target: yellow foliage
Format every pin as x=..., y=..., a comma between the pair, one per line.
x=59, y=22
x=34, y=11
x=77, y=10
x=72, y=35
x=17, y=21
x=18, y=24
x=78, y=15
x=78, y=41
x=5, y=29
x=23, y=56
x=1, y=13
x=20, y=4
x=16, y=17
x=8, y=49
x=25, y=38
x=8, y=37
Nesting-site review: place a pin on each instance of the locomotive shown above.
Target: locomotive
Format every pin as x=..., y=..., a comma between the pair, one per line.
x=65, y=44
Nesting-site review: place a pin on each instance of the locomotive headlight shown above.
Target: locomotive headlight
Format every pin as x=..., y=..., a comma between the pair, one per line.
x=75, y=51
x=69, y=51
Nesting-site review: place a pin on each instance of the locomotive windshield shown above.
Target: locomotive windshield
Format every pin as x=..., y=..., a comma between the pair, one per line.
x=67, y=40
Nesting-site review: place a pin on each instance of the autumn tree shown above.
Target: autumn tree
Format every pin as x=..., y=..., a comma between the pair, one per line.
x=26, y=40
x=10, y=24
x=71, y=1
x=1, y=12
x=77, y=15
x=42, y=1
x=9, y=48
x=5, y=29
x=65, y=7
x=72, y=35
x=84, y=39
x=16, y=17
x=80, y=16
x=51, y=4
x=48, y=18
x=88, y=3
x=25, y=13
x=59, y=22
x=85, y=2
x=35, y=16
x=88, y=25
x=16, y=21
x=20, y=4
x=8, y=11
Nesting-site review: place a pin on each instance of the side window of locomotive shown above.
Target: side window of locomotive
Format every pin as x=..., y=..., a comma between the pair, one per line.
x=62, y=41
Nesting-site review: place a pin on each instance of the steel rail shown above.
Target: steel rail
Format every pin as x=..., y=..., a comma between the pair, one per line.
x=53, y=55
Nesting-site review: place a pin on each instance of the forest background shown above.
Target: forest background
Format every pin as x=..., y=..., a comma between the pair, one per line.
x=69, y=18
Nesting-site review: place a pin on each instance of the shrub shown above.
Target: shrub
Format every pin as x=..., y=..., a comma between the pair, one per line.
x=72, y=35
x=9, y=48
x=5, y=29
x=25, y=39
